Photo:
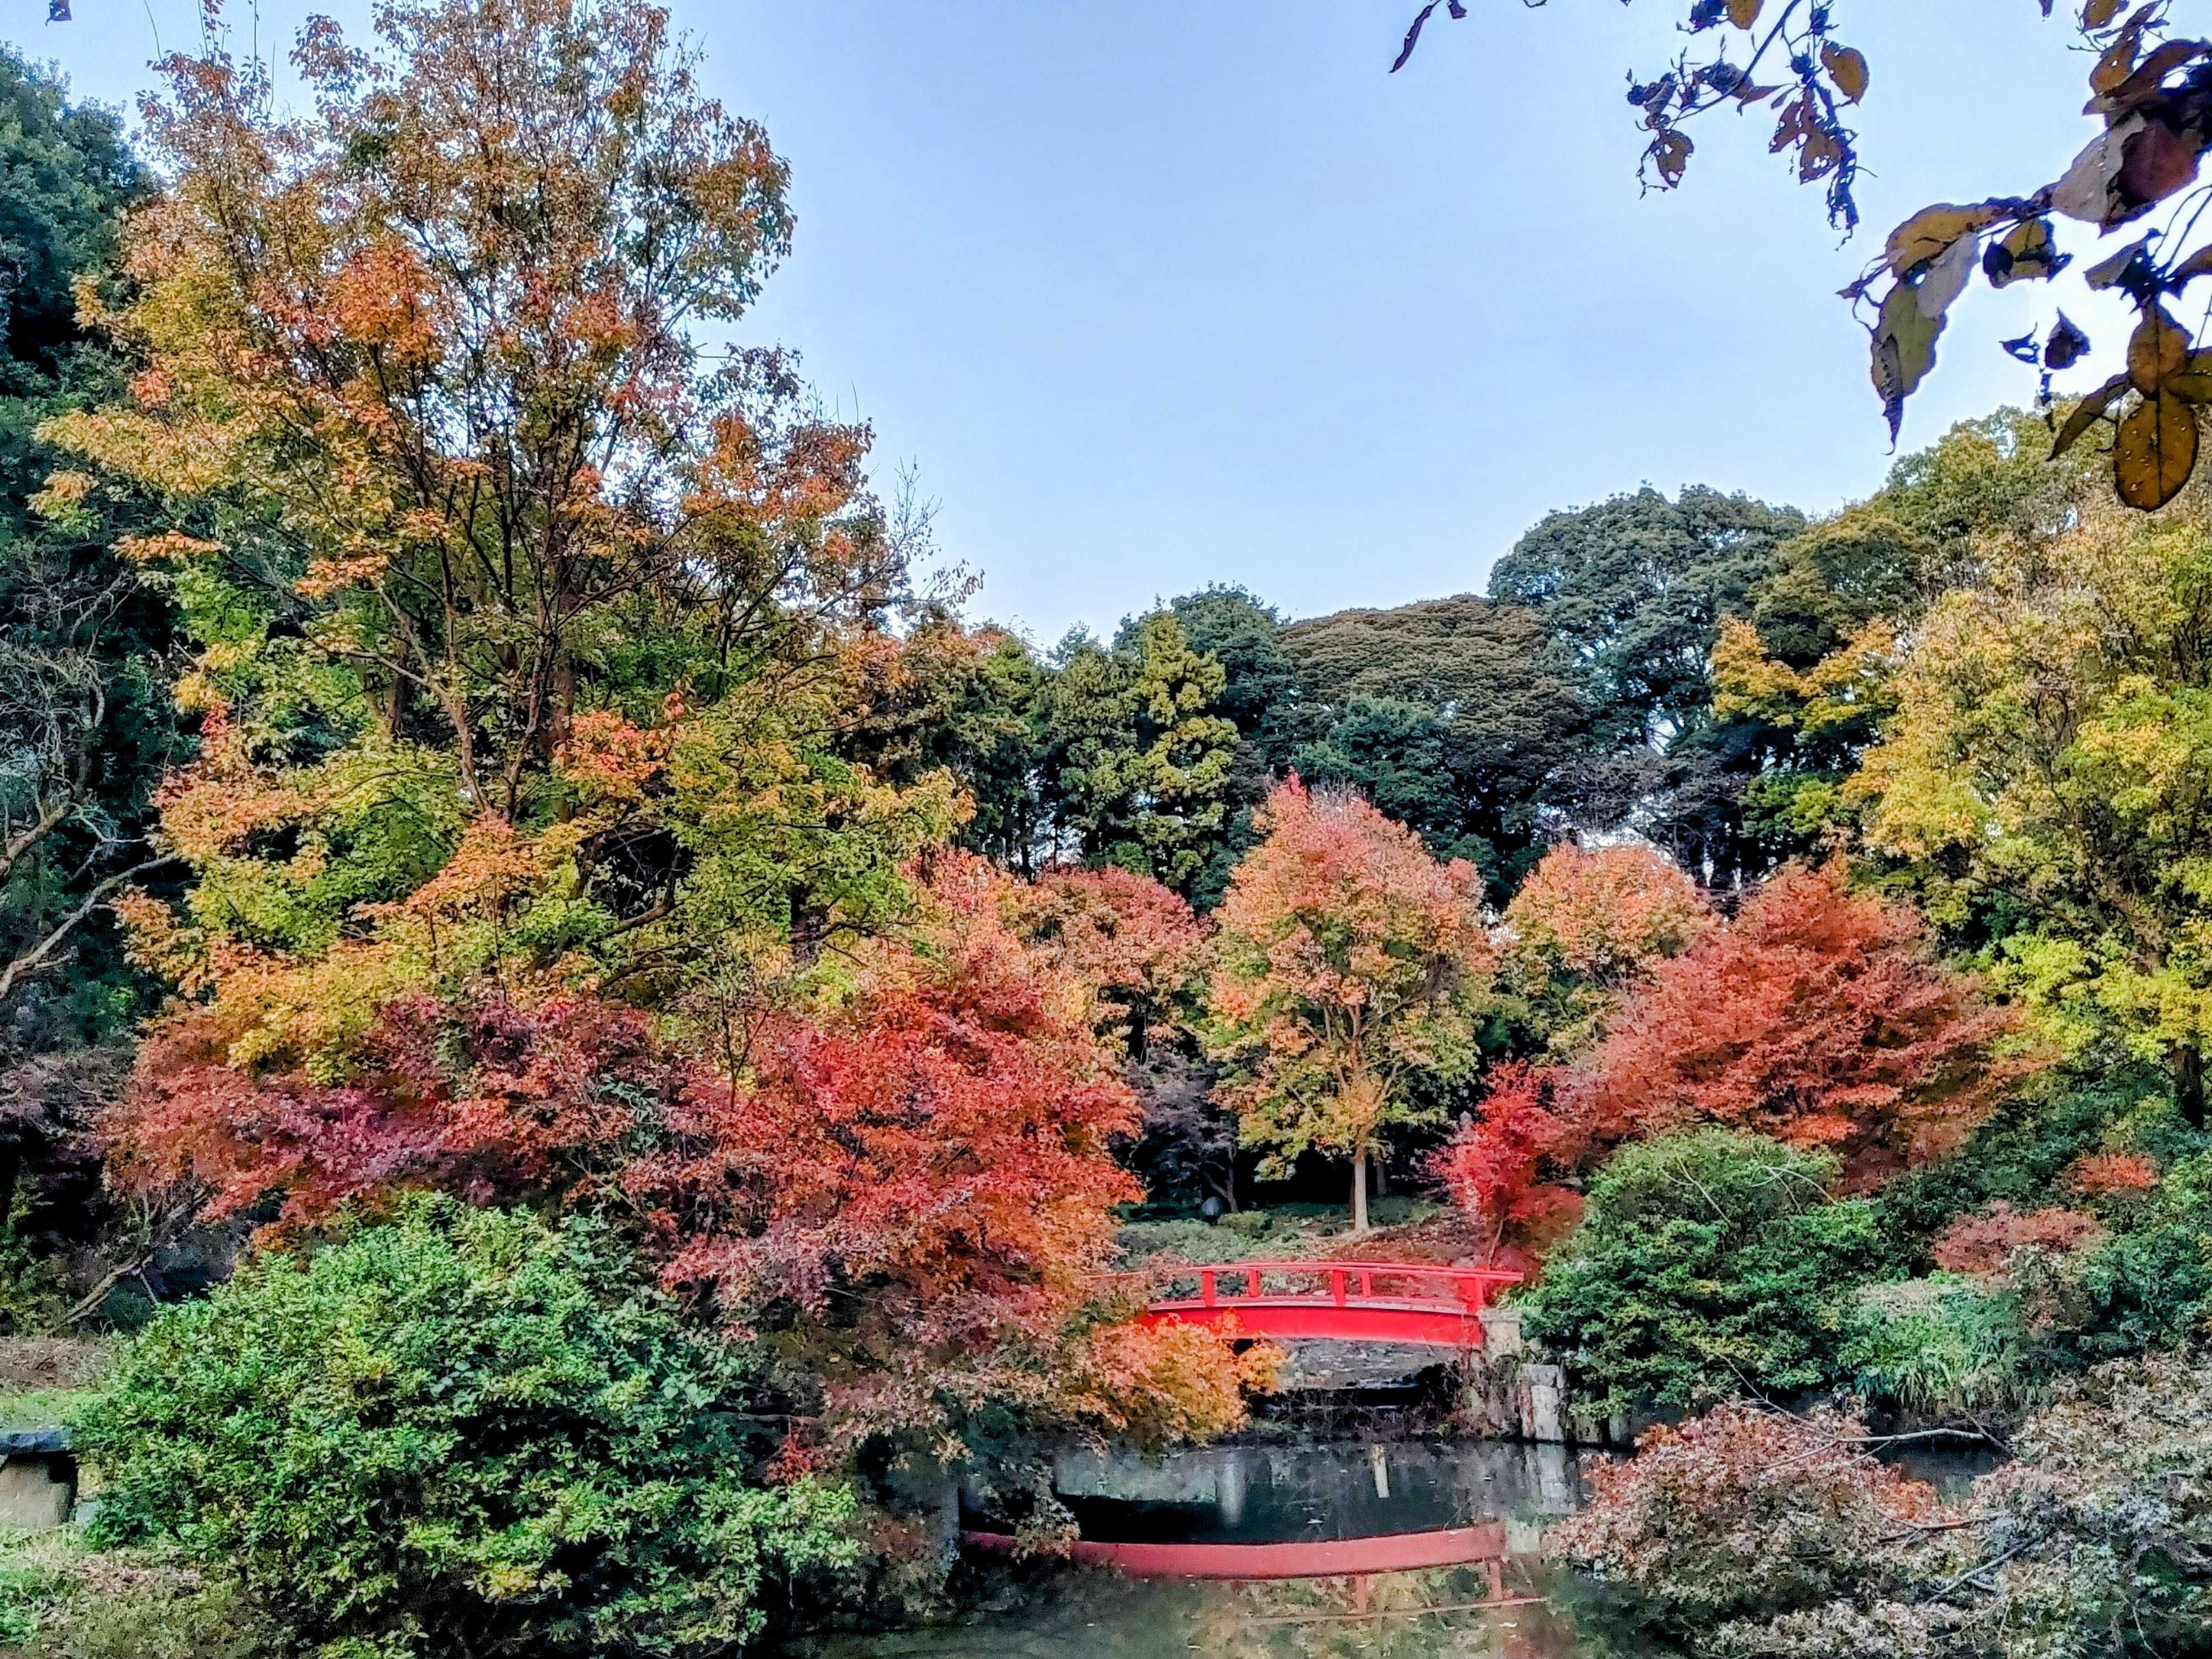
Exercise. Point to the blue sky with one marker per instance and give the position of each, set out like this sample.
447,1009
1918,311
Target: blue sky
1155,293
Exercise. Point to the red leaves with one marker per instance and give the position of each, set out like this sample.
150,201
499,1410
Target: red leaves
488,1098
1821,1018
1984,1243
1493,1167
943,1140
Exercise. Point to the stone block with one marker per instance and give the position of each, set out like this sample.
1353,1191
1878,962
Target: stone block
36,1491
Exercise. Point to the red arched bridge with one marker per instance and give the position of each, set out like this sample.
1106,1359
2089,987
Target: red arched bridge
1393,1302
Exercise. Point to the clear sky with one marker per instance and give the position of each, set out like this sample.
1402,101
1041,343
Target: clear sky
1155,293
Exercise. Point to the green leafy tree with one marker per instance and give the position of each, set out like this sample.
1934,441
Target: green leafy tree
1705,1264
1504,724
1260,691
2047,760
1138,755
83,703
1632,592
460,1432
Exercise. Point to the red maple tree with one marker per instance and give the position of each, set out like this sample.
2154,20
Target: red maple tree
1502,1168
1819,1016
1133,941
489,1096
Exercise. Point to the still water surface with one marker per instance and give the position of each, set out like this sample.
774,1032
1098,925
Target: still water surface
1504,1604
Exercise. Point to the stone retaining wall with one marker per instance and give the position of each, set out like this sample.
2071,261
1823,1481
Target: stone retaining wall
1512,1395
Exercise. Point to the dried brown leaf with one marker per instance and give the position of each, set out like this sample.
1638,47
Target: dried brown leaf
1929,232
2087,413
2158,348
2155,451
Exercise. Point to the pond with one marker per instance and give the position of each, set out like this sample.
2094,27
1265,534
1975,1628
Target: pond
1320,1515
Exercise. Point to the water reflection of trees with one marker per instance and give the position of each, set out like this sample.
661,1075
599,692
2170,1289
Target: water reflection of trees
1483,1610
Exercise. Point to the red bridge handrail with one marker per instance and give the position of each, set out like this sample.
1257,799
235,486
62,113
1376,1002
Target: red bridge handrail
1345,1284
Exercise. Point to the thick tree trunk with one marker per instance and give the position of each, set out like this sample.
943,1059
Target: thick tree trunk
2188,1084
1359,1193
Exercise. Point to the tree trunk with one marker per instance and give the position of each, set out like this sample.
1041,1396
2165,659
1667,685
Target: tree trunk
1359,1193
2188,1084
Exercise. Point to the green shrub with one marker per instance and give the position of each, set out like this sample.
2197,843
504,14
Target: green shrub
2020,1155
1940,1346
461,1432
2147,1286
1704,1265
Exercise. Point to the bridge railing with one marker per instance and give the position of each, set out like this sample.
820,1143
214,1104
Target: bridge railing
1178,1286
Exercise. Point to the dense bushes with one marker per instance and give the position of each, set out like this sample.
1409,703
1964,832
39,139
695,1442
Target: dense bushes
456,1433
1751,1533
1705,1264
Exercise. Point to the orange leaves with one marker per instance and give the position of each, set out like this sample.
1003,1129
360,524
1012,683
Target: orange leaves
1348,961
1606,913
1157,1385
608,758
1133,944
2103,1175
1985,1243
1819,1017
165,544
920,1176
383,296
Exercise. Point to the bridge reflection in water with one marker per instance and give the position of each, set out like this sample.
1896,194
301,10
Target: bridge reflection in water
1323,1535
1394,1550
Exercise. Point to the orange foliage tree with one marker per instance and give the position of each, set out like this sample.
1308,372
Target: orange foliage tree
1819,1016
419,370
1135,942
906,1183
1350,969
914,1184
1589,923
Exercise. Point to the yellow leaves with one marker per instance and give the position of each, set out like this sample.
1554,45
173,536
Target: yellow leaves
1847,68
1904,349
2155,451
2029,252
1744,13
1671,154
1928,233
1849,683
2099,14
